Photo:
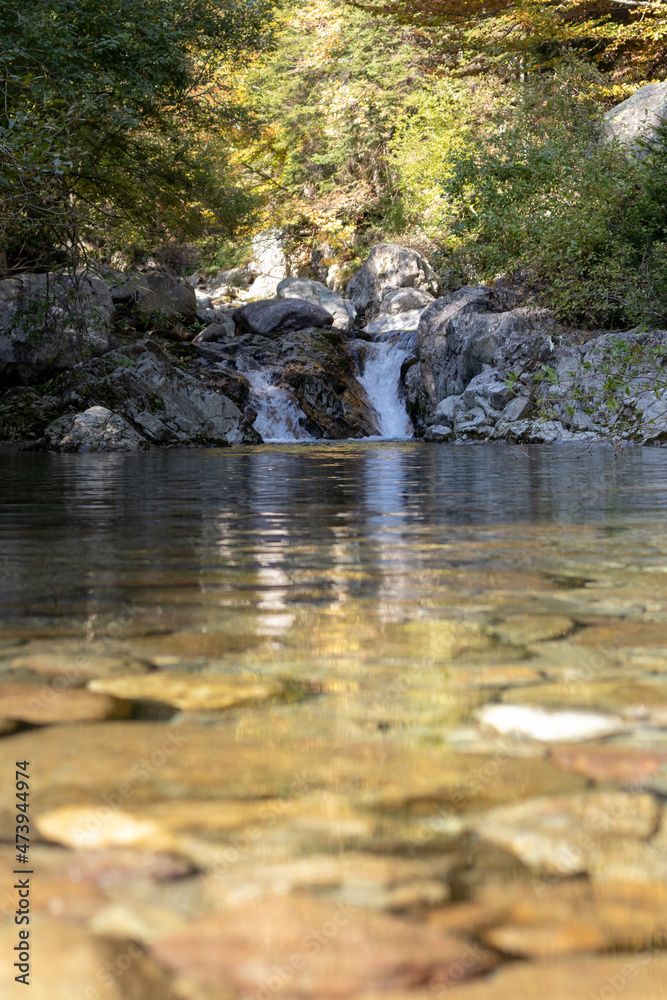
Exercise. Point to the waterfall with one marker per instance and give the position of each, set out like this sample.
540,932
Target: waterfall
279,418
381,379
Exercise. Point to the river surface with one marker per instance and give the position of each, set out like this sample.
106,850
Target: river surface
415,694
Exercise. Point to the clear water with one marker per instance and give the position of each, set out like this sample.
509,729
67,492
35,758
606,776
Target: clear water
396,590
81,534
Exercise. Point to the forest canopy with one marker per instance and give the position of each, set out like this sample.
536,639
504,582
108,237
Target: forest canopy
470,130
108,112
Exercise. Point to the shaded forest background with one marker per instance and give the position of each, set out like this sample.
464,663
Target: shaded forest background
471,131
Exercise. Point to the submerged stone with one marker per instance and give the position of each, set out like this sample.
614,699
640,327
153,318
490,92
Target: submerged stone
69,961
149,762
362,879
41,704
330,950
190,692
603,977
548,726
562,834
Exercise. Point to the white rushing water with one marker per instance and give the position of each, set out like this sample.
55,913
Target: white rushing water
381,380
279,418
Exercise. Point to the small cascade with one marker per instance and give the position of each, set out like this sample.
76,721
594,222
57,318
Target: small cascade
381,380
279,418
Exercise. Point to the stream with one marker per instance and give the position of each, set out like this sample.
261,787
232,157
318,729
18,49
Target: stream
409,699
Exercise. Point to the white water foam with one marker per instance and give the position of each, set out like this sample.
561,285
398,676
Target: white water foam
381,380
279,418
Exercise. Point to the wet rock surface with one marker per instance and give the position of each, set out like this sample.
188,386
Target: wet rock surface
162,403
314,367
96,429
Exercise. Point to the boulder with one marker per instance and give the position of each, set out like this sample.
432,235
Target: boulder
269,265
388,266
390,323
273,317
645,109
439,433
341,309
268,248
157,298
96,429
222,329
403,300
53,320
166,405
459,336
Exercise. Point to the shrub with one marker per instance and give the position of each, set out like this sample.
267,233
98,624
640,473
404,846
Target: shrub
521,182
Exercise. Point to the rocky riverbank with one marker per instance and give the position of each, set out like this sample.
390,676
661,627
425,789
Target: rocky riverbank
130,362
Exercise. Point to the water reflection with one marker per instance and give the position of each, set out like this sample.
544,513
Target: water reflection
79,535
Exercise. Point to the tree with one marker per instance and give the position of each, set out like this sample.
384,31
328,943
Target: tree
627,37
107,111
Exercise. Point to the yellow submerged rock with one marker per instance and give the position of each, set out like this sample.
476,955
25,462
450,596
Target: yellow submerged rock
190,692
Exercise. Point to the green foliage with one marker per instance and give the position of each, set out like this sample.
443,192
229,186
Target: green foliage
526,186
627,38
329,96
109,117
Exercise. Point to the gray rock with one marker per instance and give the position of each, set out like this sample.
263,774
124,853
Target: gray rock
458,336
438,433
388,323
216,314
263,287
388,266
543,432
446,409
268,248
273,317
341,309
194,279
96,429
223,329
167,406
159,297
653,411
645,109
204,301
269,266
403,300
473,421
488,386
55,320
517,409
582,371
